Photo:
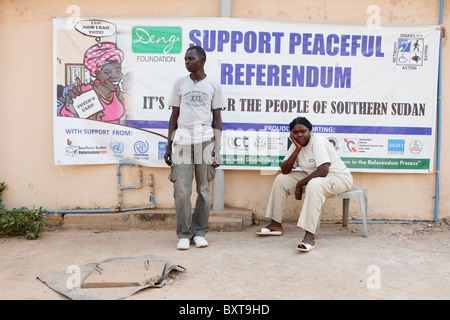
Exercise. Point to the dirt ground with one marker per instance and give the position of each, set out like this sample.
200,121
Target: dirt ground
396,261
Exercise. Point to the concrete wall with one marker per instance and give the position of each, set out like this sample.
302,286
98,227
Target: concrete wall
26,97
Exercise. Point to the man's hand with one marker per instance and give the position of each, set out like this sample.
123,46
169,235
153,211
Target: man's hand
172,127
298,191
217,158
168,156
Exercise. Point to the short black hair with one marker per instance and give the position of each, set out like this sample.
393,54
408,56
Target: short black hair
199,50
302,121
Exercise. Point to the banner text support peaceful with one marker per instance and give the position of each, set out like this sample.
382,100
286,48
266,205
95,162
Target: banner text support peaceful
298,43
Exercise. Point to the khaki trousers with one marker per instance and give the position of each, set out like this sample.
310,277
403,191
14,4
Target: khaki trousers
188,161
314,195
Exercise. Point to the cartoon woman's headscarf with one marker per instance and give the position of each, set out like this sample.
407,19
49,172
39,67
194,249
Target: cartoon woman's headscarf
101,54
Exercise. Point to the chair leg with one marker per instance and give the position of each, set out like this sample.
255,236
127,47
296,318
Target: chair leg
363,205
366,202
345,209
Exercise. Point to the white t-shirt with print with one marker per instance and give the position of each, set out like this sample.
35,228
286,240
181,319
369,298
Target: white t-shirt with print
196,101
317,152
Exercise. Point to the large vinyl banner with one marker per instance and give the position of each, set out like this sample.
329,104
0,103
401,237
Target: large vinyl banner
372,93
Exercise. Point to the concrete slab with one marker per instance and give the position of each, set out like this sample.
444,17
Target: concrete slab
226,220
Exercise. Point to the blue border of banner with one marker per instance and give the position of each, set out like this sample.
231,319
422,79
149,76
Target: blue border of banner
421,131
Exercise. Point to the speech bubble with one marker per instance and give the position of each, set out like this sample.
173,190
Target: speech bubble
96,28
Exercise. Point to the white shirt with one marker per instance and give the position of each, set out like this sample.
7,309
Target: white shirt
317,152
196,101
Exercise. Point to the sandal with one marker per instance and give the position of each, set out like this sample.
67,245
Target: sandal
307,247
268,232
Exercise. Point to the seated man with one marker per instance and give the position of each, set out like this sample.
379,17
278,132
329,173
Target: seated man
324,175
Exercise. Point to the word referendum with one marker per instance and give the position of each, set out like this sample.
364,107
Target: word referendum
285,75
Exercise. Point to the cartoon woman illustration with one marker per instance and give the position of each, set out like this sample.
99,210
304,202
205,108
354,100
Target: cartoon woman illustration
104,61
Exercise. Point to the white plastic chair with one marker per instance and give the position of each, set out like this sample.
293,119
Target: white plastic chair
361,194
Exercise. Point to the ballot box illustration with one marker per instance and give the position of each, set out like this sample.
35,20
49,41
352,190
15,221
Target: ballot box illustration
72,151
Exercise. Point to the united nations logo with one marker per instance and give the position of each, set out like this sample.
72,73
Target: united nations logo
117,146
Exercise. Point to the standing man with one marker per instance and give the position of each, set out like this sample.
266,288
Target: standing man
194,146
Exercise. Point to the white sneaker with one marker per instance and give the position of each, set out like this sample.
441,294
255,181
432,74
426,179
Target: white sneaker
183,244
200,242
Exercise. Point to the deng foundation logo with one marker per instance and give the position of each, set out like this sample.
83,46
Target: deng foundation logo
156,40
410,51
